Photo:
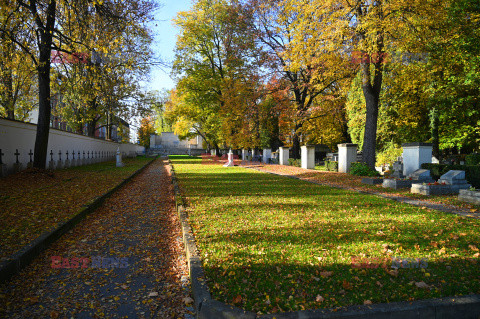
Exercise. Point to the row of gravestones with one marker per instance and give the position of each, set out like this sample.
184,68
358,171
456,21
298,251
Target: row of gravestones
421,182
70,160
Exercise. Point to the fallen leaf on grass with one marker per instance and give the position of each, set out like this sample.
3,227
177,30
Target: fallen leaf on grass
187,300
237,299
319,298
153,294
421,284
367,302
473,247
346,285
326,274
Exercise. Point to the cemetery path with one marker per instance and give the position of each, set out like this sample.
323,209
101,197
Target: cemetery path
126,259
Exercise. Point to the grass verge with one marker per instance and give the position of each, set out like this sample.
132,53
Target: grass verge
272,244
34,202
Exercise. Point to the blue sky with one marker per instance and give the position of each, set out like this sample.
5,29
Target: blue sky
165,36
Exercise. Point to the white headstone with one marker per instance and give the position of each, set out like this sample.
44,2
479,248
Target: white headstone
283,155
347,154
244,154
267,154
453,177
308,156
230,160
414,155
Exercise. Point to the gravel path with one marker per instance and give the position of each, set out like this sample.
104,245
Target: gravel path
125,260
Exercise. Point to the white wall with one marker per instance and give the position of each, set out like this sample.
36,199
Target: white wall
18,135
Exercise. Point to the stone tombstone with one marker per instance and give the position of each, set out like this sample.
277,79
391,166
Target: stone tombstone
230,160
17,166
397,169
283,153
267,155
51,163
456,180
347,154
414,155
119,158
3,167
66,164
60,161
421,175
308,156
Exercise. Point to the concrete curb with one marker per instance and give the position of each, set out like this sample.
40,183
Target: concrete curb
27,254
206,307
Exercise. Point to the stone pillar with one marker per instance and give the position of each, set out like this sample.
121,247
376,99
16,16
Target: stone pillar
283,155
347,154
308,156
267,154
414,155
244,154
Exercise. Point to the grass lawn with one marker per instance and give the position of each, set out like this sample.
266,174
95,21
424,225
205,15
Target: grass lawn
33,202
271,243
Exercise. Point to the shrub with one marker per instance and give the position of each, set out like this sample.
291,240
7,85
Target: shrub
331,166
362,169
472,172
294,162
472,159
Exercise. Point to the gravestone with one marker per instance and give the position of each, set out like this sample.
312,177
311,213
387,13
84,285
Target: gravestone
469,196
421,175
230,160
30,163
267,155
67,160
308,156
51,164
17,166
347,154
119,158
59,162
456,180
3,167
283,155
398,169
414,155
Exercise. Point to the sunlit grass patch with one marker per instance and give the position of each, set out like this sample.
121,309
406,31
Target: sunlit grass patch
271,243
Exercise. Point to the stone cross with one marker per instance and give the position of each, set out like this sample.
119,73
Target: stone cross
1,154
67,155
83,154
51,155
59,155
16,155
88,154
30,154
73,154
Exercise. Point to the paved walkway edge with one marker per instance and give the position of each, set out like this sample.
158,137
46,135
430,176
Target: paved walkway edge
27,254
206,307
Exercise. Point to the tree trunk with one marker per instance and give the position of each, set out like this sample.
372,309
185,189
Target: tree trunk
8,94
44,106
370,136
296,146
434,122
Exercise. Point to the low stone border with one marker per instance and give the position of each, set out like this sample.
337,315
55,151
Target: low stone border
206,307
27,254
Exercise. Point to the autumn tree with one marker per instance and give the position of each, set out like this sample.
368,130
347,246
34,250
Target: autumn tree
304,71
55,25
214,52
144,131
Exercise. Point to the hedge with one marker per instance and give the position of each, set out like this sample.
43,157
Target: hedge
294,162
472,172
331,166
